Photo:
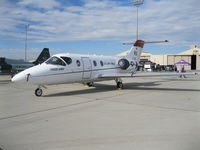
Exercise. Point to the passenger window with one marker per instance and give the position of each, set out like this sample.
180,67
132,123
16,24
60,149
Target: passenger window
78,63
55,61
68,60
101,62
94,63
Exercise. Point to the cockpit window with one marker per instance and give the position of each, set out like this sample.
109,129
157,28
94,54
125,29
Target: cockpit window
68,60
55,61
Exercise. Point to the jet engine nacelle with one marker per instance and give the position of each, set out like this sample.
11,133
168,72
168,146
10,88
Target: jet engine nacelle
123,63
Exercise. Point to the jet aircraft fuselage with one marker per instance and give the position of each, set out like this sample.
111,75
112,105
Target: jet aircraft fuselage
69,68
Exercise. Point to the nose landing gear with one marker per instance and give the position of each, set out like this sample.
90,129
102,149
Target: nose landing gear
38,92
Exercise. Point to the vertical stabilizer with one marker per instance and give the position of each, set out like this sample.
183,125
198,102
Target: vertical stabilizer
137,48
135,51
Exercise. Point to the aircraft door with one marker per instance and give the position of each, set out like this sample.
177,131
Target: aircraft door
87,67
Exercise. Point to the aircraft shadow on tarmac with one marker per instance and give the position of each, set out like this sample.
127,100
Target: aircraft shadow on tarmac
187,79
148,86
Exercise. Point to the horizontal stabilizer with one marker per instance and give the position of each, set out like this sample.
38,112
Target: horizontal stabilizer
140,43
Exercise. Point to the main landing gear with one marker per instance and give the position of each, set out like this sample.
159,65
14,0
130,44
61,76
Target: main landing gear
89,84
119,83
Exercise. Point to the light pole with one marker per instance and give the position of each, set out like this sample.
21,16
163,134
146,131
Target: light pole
137,3
26,27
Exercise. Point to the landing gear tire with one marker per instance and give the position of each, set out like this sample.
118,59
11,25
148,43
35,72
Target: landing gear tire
38,92
90,84
119,85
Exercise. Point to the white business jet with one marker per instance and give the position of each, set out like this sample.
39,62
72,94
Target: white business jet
72,68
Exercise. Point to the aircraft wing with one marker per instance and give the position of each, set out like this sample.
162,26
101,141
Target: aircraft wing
122,75
165,74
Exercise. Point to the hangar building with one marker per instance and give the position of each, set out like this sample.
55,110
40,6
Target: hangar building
192,56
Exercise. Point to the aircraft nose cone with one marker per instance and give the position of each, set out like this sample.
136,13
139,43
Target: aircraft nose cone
20,77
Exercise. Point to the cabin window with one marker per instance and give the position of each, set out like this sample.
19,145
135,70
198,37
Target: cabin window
94,63
68,60
101,62
55,61
78,63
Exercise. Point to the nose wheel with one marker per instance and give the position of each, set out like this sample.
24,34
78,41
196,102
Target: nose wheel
38,92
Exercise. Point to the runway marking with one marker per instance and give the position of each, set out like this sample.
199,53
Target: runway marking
45,110
146,105
60,107
154,106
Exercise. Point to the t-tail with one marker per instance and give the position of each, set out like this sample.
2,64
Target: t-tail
44,55
136,50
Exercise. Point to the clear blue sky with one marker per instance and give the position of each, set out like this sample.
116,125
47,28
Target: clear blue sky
96,26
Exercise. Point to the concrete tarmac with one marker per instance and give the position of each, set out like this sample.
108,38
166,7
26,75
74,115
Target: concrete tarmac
154,113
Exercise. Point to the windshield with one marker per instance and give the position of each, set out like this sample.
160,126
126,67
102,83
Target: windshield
68,60
55,61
